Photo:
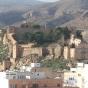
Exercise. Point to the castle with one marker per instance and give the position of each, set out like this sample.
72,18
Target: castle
17,50
75,49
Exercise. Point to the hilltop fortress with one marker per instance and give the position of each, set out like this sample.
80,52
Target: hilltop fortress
75,49
28,51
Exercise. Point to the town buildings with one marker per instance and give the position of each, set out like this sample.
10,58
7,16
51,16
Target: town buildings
77,77
28,79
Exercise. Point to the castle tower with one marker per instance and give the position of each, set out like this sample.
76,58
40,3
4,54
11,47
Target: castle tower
66,52
72,53
72,39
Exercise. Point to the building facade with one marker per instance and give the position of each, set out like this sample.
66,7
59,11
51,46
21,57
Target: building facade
77,77
28,79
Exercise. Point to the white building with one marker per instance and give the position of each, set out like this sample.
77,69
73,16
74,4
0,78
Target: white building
85,74
25,73
13,75
10,75
29,68
77,77
35,65
74,40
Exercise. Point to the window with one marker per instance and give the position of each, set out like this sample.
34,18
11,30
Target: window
10,85
58,85
35,86
37,74
23,86
13,86
79,74
14,77
45,85
23,77
70,78
18,77
29,86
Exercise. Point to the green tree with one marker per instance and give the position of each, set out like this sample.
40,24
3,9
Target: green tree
36,26
50,36
79,34
56,64
58,33
28,37
63,31
3,52
66,33
39,37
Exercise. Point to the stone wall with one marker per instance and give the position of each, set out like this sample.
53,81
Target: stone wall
82,51
66,52
12,44
69,53
22,50
55,51
27,49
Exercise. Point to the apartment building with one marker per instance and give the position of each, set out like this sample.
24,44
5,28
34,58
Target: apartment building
27,77
77,77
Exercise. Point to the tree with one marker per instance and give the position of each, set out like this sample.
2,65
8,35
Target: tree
79,34
58,33
3,52
56,64
66,33
28,37
63,31
36,26
50,36
39,37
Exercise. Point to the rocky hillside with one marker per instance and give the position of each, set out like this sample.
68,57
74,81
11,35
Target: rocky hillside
61,12
11,11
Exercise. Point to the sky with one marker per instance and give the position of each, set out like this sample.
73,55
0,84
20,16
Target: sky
5,1
49,0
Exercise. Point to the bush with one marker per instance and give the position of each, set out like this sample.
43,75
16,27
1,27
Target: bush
50,36
56,64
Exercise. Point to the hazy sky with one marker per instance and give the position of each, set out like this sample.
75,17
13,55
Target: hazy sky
49,0
5,1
